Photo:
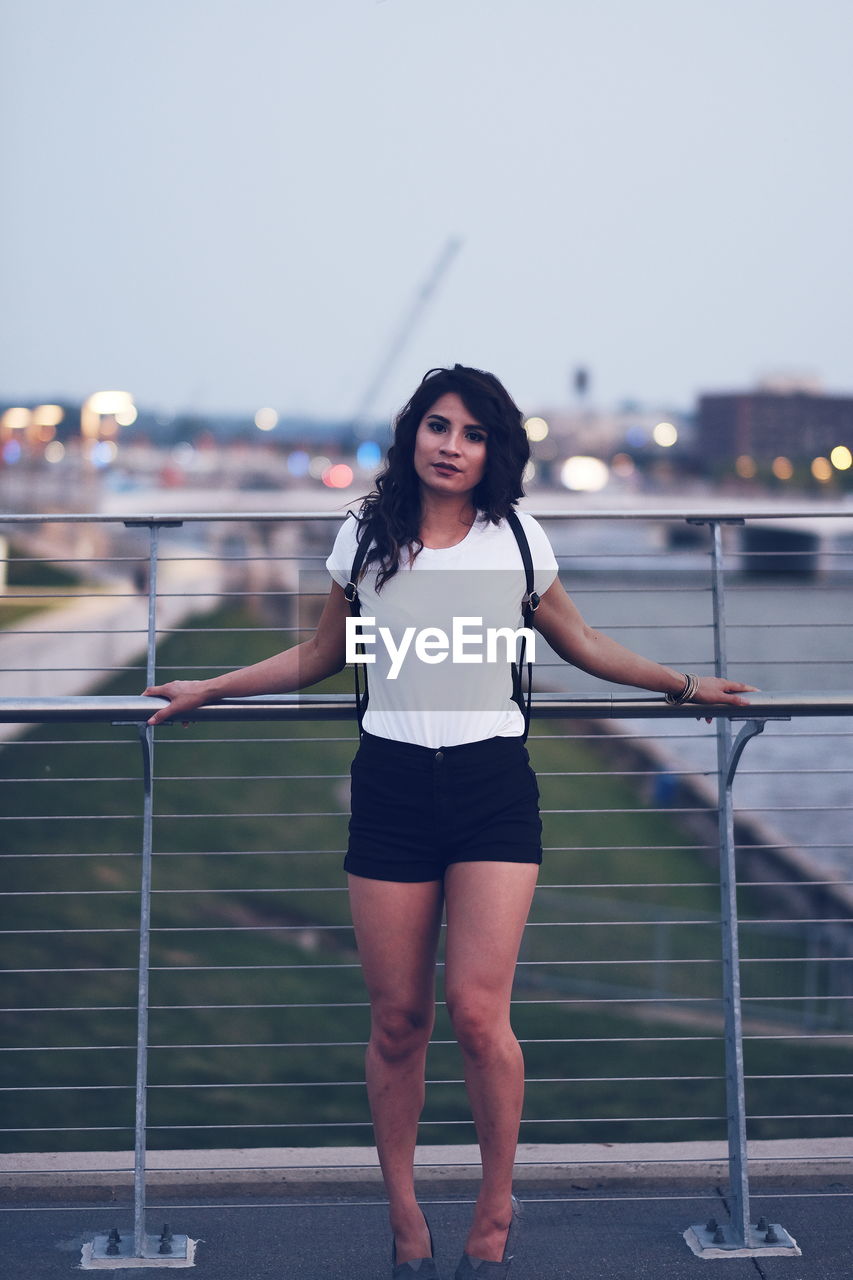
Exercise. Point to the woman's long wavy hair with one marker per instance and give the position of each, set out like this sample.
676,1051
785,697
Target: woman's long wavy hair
390,515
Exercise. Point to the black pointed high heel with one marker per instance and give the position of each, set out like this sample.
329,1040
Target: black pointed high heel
481,1268
422,1268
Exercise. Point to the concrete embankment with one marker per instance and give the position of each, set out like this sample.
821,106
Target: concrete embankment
71,646
339,1169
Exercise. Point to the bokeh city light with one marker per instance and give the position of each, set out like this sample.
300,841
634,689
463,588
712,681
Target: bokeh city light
537,429
665,435
584,474
266,419
339,476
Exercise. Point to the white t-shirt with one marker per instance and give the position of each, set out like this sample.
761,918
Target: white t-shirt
437,680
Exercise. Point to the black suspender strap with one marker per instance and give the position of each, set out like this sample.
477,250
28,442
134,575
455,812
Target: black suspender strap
352,597
529,605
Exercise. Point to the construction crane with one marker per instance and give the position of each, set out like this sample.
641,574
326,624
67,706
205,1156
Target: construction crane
404,332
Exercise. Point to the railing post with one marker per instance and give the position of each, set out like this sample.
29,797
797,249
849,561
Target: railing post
713,1239
166,1247
153,526
735,1091
146,741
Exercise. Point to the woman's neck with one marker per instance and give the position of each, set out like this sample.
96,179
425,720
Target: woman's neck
445,522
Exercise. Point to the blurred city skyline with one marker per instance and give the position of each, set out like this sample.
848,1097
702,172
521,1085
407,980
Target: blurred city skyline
221,206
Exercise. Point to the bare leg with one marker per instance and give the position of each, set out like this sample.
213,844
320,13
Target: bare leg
487,906
397,927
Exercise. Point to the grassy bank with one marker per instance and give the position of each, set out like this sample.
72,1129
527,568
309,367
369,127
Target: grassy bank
24,574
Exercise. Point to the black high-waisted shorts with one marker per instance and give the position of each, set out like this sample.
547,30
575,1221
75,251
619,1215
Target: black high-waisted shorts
416,810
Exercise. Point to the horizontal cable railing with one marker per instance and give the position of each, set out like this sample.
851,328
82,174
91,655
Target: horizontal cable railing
135,709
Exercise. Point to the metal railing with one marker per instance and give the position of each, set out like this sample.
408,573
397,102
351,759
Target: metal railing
667,971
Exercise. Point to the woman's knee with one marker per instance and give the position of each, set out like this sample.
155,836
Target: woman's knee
480,1025
397,1031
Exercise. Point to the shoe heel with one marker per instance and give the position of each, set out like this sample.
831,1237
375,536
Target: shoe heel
470,1268
421,1268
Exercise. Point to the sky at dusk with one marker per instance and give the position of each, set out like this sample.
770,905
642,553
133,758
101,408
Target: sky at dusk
223,204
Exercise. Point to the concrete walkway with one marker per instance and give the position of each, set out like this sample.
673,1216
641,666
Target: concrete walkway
582,1231
596,1212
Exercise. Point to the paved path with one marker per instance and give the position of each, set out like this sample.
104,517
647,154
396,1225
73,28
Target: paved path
629,1232
67,649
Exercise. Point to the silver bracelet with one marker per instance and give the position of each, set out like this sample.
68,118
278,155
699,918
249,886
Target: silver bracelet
691,684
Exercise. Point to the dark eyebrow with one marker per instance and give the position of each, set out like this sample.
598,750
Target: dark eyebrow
472,426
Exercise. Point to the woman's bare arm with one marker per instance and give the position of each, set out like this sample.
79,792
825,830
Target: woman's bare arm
305,664
560,622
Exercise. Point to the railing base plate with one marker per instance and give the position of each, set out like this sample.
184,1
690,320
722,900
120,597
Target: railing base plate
96,1257
721,1242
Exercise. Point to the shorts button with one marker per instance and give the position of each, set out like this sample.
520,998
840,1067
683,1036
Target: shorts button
439,756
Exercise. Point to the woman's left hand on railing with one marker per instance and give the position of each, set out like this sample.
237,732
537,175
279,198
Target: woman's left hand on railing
713,690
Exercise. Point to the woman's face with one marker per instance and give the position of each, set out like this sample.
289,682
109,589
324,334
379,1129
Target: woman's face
450,447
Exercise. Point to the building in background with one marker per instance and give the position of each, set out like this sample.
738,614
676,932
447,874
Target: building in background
780,428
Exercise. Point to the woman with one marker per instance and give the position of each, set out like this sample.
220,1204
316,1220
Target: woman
444,804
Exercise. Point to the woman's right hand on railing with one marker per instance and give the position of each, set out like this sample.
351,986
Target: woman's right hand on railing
184,696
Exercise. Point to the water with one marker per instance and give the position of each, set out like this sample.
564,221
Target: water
785,634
